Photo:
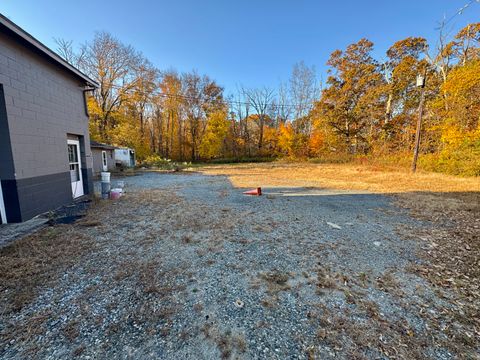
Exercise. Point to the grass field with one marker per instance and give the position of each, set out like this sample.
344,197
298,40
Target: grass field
341,176
421,192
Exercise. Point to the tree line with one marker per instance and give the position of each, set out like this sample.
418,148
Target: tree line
366,107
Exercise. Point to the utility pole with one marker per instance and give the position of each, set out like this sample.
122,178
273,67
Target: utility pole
421,80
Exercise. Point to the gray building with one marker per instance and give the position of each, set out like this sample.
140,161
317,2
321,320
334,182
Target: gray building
103,157
45,156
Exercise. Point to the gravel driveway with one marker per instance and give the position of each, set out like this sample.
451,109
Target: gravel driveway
186,267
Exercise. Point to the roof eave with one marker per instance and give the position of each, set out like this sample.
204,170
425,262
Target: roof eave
45,50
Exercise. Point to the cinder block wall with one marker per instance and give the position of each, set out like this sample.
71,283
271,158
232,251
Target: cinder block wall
44,103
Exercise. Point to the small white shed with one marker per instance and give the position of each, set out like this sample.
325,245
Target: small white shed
124,157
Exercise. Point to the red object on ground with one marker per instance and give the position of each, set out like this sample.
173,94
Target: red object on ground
114,195
255,192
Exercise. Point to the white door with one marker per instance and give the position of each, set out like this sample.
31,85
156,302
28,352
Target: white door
104,161
75,167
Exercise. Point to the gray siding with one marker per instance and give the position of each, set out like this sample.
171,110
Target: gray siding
44,102
97,160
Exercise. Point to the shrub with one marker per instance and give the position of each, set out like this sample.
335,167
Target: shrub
460,160
155,161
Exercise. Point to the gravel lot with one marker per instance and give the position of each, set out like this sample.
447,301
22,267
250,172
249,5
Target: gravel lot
186,267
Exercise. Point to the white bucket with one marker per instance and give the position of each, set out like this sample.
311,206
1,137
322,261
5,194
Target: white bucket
106,177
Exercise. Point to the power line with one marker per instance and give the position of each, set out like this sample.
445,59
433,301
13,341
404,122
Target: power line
235,102
459,12
271,105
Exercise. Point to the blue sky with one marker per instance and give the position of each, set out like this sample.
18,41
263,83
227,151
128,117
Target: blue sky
248,42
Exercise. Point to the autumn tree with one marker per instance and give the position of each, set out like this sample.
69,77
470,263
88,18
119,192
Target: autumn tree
463,88
112,65
367,106
240,109
202,96
303,94
406,60
66,51
214,140
346,102
260,100
466,43
169,121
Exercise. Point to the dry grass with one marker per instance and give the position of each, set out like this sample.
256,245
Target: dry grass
33,262
37,262
231,344
276,281
451,252
341,177
362,333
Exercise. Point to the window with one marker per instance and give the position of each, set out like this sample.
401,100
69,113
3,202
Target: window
74,164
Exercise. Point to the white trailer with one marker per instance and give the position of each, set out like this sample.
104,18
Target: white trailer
124,157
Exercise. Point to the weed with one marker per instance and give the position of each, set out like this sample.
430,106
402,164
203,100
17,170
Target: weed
349,298
276,281
186,239
371,309
325,280
363,278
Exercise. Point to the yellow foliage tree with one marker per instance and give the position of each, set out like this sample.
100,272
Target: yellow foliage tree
463,94
212,144
316,143
286,138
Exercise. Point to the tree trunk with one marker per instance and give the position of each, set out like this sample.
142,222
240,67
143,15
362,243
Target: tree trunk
172,132
260,136
388,110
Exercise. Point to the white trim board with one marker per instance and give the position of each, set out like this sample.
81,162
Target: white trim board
3,213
